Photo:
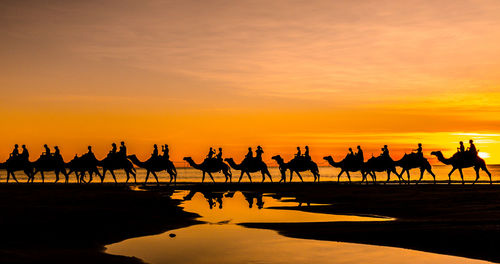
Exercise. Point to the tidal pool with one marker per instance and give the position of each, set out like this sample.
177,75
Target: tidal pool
221,240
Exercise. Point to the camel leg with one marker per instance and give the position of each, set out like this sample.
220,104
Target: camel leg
263,175
461,175
338,177
156,177
374,177
317,174
133,174
203,177
211,177
407,173
8,176
348,176
449,174
147,176
300,177
432,173
422,170
291,175
14,177
249,177
57,177
241,176
114,176
388,176
43,176
477,174
483,167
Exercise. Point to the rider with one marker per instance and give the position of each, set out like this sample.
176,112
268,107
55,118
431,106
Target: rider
112,152
123,150
47,151
249,154
259,152
419,150
461,148
15,152
306,153
57,153
385,151
359,154
155,151
90,154
472,148
211,153
166,151
299,153
219,155
25,155
351,153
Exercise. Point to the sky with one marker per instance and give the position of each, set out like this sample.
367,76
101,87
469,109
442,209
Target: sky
234,74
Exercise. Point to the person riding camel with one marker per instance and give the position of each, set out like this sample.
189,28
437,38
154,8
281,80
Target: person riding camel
385,152
419,150
359,154
249,154
15,152
211,153
57,153
112,152
472,148
219,155
461,148
306,153
259,152
299,153
350,154
47,151
123,150
25,155
90,154
155,151
166,151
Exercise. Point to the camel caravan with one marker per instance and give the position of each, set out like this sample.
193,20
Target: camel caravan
117,159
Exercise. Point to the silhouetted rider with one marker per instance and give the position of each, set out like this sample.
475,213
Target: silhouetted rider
211,153
359,154
259,152
166,151
306,153
90,154
472,148
155,151
57,153
350,154
419,150
123,150
461,148
385,151
15,151
112,152
299,153
47,151
249,154
25,155
219,155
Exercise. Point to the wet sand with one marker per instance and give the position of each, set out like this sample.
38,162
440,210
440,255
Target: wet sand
59,223
71,223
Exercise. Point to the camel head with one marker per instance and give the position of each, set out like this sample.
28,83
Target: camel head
328,158
437,153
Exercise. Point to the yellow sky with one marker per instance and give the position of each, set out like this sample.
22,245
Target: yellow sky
195,74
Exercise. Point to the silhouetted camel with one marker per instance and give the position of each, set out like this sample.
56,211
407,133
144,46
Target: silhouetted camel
156,164
50,163
296,165
463,160
347,165
84,164
412,161
15,164
116,162
379,164
250,165
211,165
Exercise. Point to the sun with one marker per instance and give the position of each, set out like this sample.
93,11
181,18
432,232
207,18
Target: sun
484,155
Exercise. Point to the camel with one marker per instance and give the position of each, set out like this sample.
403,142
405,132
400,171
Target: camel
296,165
250,165
15,164
84,164
463,160
156,164
116,162
211,165
348,164
380,164
412,161
50,163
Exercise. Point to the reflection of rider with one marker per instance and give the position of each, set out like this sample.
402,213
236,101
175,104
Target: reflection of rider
155,151
211,153
165,151
219,155
25,155
123,150
15,152
472,148
259,152
359,154
249,154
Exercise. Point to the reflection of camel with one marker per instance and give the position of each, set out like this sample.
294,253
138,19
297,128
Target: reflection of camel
16,164
463,160
209,166
115,162
155,164
250,165
50,163
379,164
347,165
296,165
82,165
412,161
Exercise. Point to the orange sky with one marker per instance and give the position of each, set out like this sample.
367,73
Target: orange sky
195,74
